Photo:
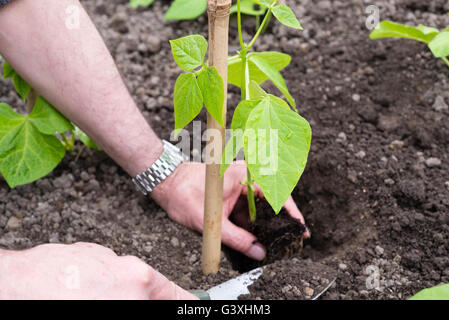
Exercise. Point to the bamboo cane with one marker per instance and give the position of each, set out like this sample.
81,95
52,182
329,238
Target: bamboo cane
218,12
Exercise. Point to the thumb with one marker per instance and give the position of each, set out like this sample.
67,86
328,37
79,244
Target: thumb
160,288
241,240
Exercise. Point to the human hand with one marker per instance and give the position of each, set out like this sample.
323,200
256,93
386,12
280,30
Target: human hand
182,197
81,271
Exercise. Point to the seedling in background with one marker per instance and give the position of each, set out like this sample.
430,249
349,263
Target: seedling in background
191,9
436,40
32,145
257,112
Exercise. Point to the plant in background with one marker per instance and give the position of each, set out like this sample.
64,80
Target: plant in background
436,40
191,9
32,145
440,292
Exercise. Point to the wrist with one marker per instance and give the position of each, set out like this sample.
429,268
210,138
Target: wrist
165,190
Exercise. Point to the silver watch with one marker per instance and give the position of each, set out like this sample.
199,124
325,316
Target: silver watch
169,160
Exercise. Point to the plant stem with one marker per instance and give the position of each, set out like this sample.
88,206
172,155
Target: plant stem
31,100
245,96
445,60
239,25
265,21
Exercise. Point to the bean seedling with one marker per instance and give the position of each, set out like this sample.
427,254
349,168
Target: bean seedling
264,125
191,9
436,40
32,145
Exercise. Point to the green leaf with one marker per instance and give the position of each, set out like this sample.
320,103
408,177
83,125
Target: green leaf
255,91
428,30
185,9
286,16
274,75
235,142
22,87
212,89
389,29
235,66
440,44
189,51
26,154
88,142
287,154
47,119
137,3
265,3
188,100
248,7
436,293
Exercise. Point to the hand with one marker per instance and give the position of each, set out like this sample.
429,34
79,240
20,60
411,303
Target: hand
81,271
182,197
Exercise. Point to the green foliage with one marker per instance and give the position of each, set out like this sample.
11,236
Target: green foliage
273,122
262,66
191,9
212,86
193,89
29,144
440,44
249,7
28,148
137,3
436,293
85,139
437,41
189,52
22,87
186,9
276,139
286,16
188,100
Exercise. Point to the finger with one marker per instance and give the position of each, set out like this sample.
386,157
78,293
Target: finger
294,212
241,240
160,288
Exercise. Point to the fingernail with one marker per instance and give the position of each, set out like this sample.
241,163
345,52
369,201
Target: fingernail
307,234
256,252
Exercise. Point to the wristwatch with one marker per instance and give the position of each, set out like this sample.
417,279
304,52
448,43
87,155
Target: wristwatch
169,160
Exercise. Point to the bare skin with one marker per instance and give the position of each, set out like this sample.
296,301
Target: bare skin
72,68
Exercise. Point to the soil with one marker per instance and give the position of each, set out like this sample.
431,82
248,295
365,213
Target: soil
375,193
281,235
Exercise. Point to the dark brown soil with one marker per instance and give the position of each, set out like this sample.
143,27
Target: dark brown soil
281,235
373,194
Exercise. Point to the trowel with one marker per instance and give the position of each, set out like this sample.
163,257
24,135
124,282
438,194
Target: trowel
232,289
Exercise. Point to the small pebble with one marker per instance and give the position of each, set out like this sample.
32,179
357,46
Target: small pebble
356,97
360,154
13,223
440,104
342,266
433,162
308,291
379,250
175,242
342,137
396,144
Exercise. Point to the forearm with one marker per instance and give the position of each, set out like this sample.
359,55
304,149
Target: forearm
73,69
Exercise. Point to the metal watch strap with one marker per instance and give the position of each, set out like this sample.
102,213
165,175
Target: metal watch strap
169,160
